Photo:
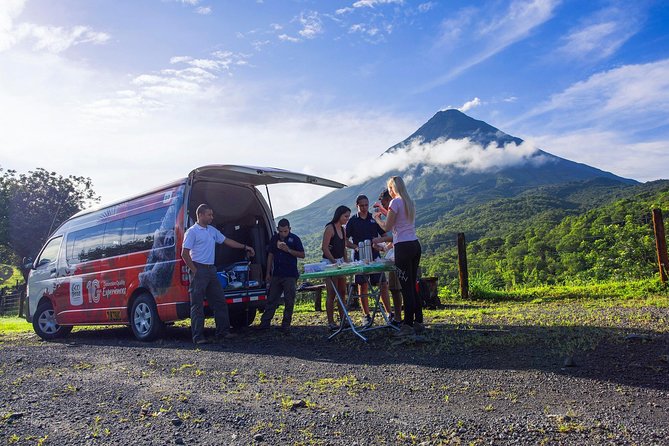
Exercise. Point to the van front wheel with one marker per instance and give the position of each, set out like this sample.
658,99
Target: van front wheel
144,320
45,325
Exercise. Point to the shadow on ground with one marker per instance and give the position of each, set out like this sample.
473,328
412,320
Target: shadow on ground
603,354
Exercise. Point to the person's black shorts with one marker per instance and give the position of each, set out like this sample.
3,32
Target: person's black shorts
374,279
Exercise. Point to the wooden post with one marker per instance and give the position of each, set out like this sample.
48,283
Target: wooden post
318,295
21,301
462,266
660,244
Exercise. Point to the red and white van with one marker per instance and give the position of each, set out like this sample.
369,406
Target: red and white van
121,263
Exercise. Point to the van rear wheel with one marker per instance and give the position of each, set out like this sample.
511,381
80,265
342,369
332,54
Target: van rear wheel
45,325
242,318
144,320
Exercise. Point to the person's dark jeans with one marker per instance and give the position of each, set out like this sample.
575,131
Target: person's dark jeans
205,283
278,286
407,259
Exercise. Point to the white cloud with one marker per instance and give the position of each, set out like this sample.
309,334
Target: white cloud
492,35
372,32
444,156
9,11
612,151
598,121
131,134
469,105
203,10
612,97
373,3
425,7
311,23
54,39
287,38
601,35
342,11
169,88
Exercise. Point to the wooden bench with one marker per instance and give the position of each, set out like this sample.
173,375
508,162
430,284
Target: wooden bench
316,294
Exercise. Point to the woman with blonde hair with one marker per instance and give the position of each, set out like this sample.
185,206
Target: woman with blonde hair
401,220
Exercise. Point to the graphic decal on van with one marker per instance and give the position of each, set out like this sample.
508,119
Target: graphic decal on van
76,292
93,288
157,274
113,288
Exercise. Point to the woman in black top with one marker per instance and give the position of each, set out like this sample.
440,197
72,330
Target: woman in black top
334,249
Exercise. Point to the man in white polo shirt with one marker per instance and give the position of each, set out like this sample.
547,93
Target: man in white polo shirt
198,253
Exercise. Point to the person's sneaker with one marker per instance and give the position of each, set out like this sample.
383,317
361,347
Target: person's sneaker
262,327
405,331
418,327
367,321
201,341
333,327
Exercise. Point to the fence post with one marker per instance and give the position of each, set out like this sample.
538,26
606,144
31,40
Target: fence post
22,297
660,244
462,266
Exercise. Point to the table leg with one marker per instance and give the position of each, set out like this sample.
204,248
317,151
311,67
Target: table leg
375,294
346,319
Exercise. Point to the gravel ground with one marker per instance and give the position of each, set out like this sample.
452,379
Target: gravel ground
475,386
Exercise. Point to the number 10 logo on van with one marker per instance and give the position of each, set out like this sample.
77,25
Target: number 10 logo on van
94,291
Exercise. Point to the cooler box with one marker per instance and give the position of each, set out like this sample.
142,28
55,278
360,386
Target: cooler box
223,279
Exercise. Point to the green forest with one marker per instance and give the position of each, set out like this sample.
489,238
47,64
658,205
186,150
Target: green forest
545,238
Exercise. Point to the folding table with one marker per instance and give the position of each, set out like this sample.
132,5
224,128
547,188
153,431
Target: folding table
350,269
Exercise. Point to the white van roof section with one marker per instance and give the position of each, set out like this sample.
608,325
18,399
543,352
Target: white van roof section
257,176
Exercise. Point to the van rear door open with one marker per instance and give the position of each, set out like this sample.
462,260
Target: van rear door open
257,176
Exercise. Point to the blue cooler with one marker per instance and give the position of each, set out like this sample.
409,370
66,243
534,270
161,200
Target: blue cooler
223,279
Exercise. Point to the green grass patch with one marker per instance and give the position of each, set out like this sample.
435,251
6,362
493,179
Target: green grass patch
14,324
482,290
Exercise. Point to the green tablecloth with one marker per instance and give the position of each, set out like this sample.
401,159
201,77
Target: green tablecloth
348,270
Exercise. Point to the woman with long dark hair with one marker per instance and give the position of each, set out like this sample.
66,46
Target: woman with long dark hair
401,220
334,251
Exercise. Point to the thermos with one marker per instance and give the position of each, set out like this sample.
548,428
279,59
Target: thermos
361,251
368,251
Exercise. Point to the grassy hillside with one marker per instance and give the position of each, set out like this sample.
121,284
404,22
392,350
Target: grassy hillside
552,236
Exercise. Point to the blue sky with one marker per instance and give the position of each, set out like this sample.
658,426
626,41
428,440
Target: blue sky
135,93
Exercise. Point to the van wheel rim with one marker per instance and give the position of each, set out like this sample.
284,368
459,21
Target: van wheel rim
47,322
142,318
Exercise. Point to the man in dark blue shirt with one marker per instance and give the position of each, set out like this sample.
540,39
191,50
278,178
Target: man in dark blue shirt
284,250
359,228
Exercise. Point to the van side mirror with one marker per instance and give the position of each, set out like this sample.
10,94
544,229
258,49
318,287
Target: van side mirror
27,263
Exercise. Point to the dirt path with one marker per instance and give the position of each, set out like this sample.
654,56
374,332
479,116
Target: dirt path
483,386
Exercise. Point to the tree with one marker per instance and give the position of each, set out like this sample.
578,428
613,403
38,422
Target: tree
33,205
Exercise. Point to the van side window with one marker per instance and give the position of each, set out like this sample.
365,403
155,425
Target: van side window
85,245
124,236
139,231
49,253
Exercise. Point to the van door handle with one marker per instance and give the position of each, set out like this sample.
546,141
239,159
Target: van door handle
53,271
